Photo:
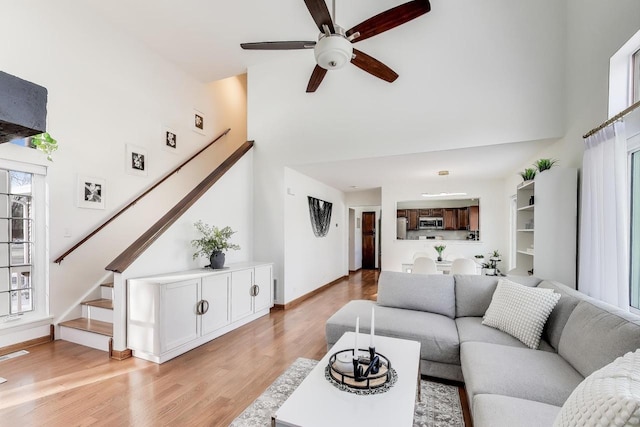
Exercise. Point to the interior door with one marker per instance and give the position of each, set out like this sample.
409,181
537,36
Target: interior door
368,240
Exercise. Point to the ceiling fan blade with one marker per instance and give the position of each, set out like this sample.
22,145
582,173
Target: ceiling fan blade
373,66
320,14
287,45
390,19
316,78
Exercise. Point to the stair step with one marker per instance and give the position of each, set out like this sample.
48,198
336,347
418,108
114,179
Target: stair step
101,303
90,325
107,285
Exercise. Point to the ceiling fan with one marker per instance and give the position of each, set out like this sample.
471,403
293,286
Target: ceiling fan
334,46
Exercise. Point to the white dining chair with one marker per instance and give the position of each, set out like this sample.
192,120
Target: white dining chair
452,257
424,265
463,266
420,255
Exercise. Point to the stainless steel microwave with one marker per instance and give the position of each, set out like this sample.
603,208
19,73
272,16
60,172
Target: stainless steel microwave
430,223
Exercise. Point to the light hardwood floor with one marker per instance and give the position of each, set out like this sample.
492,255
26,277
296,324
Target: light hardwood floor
64,384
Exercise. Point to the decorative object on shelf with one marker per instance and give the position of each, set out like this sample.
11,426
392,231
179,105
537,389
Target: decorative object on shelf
439,249
320,215
479,256
488,270
136,160
371,374
91,192
491,268
45,143
531,200
213,244
544,164
528,174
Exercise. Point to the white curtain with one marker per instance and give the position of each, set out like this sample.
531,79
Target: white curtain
604,221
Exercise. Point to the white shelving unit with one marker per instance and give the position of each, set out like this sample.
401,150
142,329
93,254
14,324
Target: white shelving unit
546,225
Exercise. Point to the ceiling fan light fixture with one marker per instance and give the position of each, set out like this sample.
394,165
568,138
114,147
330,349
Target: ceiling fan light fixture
333,52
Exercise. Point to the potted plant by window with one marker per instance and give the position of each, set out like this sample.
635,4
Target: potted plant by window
213,243
439,249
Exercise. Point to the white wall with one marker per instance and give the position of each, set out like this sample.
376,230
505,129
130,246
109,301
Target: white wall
493,214
310,261
107,90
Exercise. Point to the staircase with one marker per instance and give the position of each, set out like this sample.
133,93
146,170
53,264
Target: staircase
95,327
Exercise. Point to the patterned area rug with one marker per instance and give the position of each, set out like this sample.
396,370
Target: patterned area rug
440,406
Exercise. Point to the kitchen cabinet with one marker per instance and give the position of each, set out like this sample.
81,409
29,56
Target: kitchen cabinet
172,313
474,218
412,223
401,213
437,212
425,212
450,219
463,218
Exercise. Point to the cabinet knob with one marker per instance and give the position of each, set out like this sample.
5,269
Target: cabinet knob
199,307
205,306
257,291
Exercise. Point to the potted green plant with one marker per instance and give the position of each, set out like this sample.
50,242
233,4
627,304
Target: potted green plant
528,174
544,164
45,143
488,269
439,249
213,243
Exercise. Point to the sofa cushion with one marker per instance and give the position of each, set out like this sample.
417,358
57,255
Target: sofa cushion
436,333
569,299
596,334
517,372
520,311
494,410
472,329
474,292
432,293
608,397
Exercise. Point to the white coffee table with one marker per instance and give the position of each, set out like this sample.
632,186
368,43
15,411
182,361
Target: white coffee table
317,402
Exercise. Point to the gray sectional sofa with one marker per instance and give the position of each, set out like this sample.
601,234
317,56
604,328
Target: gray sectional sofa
507,383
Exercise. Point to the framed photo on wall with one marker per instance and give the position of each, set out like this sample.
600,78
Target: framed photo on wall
91,192
169,139
197,121
136,160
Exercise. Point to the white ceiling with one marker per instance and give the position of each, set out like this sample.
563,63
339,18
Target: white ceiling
202,37
488,162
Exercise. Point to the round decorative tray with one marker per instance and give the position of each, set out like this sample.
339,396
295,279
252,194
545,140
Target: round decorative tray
340,371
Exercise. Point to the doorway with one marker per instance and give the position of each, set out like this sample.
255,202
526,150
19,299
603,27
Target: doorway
368,240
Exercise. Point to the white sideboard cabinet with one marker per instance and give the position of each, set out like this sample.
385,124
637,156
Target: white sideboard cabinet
170,314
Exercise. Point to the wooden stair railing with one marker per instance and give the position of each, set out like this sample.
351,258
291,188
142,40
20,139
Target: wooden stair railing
137,199
129,255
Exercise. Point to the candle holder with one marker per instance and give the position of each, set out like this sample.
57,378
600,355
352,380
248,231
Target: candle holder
369,372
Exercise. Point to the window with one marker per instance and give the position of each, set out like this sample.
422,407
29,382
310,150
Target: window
23,243
635,77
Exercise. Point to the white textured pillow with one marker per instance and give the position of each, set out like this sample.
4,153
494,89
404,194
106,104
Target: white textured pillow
521,311
608,397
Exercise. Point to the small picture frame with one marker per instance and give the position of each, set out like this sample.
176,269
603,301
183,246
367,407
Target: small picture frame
136,160
169,139
91,192
197,121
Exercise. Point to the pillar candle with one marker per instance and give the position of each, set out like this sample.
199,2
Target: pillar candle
373,327
355,345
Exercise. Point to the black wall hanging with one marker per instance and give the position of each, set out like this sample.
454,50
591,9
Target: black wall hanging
320,215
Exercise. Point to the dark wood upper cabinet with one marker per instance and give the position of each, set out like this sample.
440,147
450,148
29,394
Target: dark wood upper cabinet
425,212
412,224
474,218
437,212
402,213
450,219
463,218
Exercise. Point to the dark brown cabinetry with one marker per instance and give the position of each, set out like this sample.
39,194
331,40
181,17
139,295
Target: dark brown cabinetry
463,218
413,215
402,213
474,218
450,219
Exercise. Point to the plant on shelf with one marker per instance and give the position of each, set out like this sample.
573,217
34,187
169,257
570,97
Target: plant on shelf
439,249
489,270
528,174
213,243
45,143
495,256
544,164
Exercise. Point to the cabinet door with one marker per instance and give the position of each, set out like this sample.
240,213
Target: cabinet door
463,218
264,284
215,291
178,303
413,219
241,299
474,218
425,212
401,213
437,212
450,219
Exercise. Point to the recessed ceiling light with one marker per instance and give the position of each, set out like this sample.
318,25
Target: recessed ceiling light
354,186
443,173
